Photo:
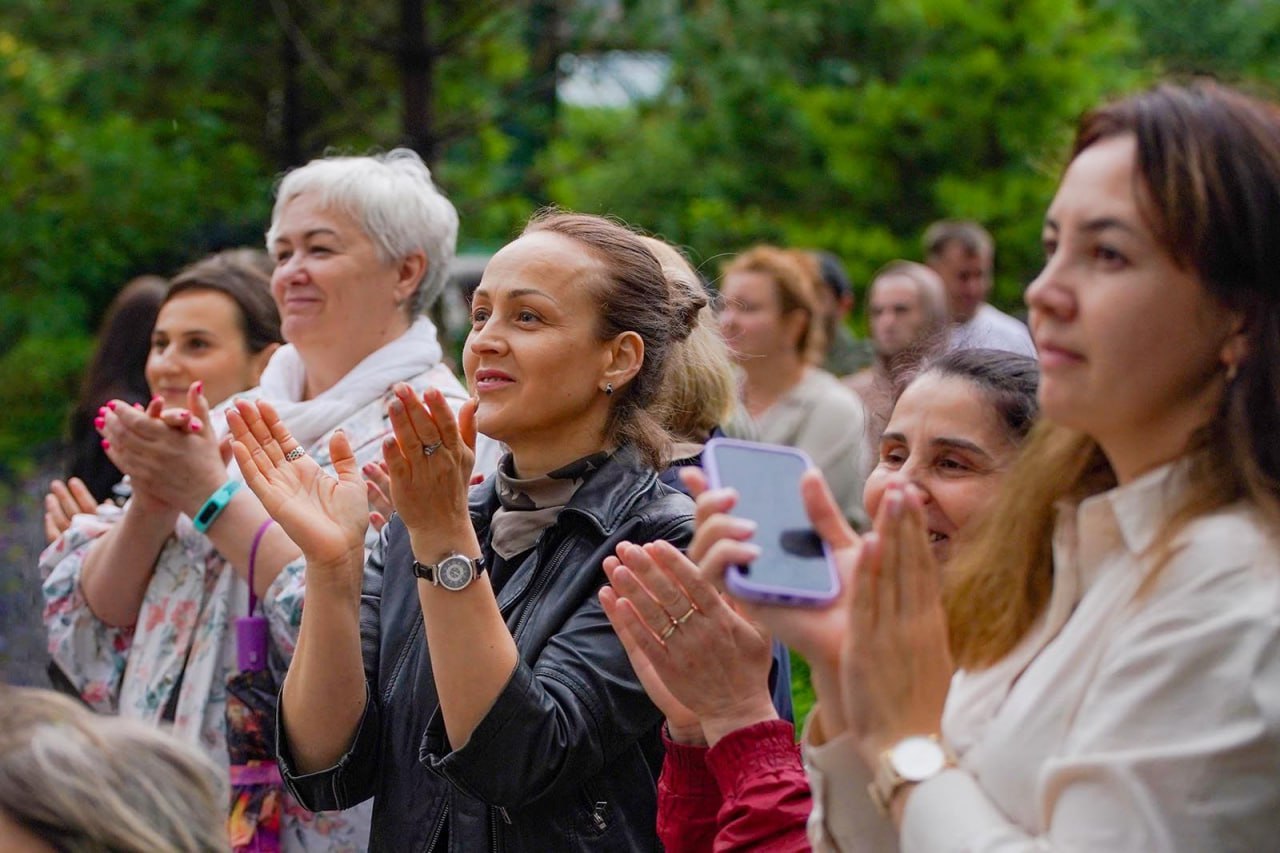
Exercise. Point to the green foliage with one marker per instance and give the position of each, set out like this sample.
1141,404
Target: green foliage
851,126
37,379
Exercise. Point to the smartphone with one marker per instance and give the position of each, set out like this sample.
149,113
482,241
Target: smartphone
795,566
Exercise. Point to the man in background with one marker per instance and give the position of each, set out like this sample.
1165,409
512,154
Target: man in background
963,254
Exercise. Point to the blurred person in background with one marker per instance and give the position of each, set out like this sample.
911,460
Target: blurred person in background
771,320
115,372
907,313
73,780
845,353
963,254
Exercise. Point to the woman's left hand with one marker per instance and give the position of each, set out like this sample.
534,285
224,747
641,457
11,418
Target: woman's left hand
896,664
430,458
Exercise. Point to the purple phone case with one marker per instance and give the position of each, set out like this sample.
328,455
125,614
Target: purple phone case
742,585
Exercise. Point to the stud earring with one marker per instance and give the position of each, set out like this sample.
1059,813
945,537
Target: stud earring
608,390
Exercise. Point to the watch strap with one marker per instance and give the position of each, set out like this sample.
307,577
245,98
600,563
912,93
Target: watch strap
430,572
888,781
214,505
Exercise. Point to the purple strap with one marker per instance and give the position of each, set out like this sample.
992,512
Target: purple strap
253,559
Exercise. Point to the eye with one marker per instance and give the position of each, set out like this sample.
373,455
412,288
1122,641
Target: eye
478,316
527,316
954,465
893,456
1050,246
282,256
198,344
321,250
1109,256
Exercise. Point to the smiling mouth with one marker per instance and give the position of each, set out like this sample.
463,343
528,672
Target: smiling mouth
934,536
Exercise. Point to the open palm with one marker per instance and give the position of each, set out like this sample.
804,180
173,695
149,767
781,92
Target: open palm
325,516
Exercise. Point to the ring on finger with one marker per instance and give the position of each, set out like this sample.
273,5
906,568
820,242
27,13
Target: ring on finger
680,620
669,630
295,454
428,449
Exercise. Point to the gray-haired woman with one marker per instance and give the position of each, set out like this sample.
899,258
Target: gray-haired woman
140,611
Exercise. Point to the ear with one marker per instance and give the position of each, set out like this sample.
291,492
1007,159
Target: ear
410,272
623,360
1235,349
258,363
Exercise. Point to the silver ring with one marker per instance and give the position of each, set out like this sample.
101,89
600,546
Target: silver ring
428,449
295,454
685,618
669,630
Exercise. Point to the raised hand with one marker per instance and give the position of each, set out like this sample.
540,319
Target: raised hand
896,666
377,481
816,633
63,501
708,662
325,516
429,458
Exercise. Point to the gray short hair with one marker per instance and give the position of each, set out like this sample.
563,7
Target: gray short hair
393,199
82,782
971,236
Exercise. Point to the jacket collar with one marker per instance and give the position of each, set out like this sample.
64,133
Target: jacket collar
603,500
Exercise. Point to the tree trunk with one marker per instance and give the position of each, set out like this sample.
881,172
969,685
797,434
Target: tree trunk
417,65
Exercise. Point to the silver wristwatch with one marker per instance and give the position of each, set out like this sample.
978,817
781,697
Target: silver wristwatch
454,572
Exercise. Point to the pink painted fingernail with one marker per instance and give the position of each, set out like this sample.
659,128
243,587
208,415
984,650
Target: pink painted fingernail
112,405
157,398
106,445
200,387
99,421
138,406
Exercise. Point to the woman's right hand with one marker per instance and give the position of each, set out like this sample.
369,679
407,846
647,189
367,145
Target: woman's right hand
712,665
325,516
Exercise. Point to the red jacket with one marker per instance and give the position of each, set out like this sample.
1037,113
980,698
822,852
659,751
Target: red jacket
748,792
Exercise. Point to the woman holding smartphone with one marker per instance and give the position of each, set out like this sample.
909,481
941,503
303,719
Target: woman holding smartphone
468,679
732,777
1116,623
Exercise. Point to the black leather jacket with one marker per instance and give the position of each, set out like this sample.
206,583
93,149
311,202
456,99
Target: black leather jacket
567,757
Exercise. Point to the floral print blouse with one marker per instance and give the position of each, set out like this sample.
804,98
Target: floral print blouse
184,635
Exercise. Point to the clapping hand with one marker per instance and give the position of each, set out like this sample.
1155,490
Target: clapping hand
325,516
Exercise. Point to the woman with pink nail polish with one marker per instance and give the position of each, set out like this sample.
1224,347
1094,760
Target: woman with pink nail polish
141,616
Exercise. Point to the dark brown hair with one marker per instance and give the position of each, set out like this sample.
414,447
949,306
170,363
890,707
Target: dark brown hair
1007,380
634,297
1208,183
244,275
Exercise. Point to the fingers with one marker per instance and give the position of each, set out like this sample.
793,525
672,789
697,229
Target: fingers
51,529
661,585
701,592
411,421
197,402
824,513
264,423
694,480
253,460
627,625
80,494
715,528
181,419
722,555
377,521
863,603
155,407
342,457
921,586
712,502
446,424
887,525
467,422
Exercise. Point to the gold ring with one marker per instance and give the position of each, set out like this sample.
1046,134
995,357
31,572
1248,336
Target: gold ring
669,630
693,608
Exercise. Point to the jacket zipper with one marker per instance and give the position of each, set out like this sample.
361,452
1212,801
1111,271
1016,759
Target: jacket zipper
435,834
540,581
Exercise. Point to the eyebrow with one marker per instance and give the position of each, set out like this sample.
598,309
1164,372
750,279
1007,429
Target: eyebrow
1095,225
942,441
517,292
309,234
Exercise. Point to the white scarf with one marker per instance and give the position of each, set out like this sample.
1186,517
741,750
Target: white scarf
284,379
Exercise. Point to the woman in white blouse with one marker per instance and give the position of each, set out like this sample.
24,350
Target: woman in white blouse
1116,626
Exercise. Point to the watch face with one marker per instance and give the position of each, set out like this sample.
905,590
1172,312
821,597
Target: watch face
918,758
455,572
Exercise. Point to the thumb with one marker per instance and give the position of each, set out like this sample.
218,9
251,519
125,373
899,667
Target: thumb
344,461
467,422
197,402
824,512
224,449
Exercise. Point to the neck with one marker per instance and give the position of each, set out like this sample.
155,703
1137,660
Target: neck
328,361
536,454
1135,452
768,379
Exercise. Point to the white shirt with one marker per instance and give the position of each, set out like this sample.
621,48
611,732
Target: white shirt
1129,719
991,328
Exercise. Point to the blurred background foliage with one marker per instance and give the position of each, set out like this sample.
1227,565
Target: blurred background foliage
137,135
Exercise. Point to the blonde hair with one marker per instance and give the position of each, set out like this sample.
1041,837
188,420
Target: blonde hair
700,391
796,278
82,782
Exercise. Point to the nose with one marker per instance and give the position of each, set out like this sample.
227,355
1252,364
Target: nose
914,473
486,339
1051,293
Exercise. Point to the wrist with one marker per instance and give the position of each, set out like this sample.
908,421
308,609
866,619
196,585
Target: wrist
720,722
686,733
430,547
201,491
